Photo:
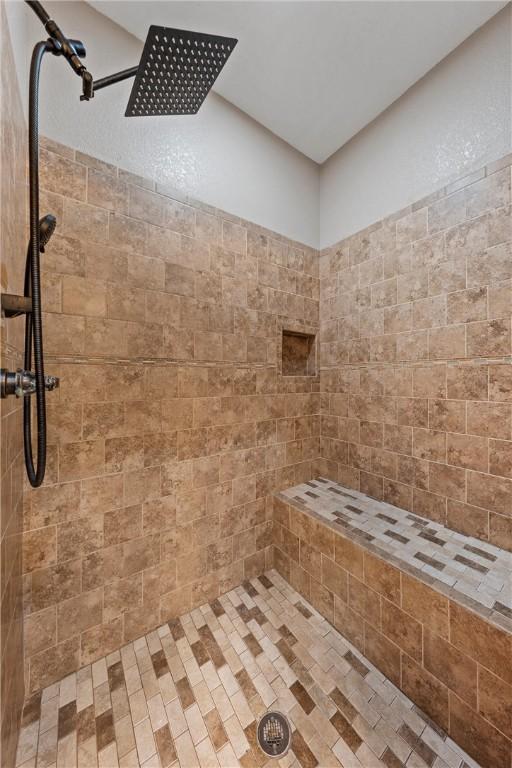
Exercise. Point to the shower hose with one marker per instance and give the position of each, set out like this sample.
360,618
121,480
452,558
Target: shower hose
33,322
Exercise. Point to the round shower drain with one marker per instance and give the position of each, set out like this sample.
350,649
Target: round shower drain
274,734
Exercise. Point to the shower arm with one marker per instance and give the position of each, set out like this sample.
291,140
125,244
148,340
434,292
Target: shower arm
72,50
59,45
103,82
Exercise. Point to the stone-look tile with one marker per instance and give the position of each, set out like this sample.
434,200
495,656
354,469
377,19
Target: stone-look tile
468,519
489,492
487,744
468,451
448,212
457,671
500,530
165,746
467,306
447,480
13,234
48,665
81,220
447,415
82,296
383,653
480,640
404,631
58,172
51,585
350,557
79,613
39,548
495,701
105,190
489,338
382,577
159,477
153,245
489,419
453,324
420,638
401,538
216,729
452,304
356,715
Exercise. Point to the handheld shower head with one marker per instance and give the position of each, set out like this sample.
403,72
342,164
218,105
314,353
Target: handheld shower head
177,69
46,229
175,74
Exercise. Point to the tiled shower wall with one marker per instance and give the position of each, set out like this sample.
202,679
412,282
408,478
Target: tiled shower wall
173,423
416,357
453,663
13,230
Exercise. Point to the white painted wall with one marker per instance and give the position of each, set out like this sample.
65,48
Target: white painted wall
457,118
454,120
221,156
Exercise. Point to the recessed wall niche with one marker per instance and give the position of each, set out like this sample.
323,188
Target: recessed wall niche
298,354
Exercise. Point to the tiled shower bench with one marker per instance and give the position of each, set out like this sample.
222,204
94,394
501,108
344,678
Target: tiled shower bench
431,608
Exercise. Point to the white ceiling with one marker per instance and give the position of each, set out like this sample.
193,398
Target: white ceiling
315,73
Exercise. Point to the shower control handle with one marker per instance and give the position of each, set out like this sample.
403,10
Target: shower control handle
22,382
51,383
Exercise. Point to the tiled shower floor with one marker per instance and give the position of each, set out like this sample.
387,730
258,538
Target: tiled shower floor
461,565
191,693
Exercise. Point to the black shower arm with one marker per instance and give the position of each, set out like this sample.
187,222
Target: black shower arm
72,50
103,82
62,46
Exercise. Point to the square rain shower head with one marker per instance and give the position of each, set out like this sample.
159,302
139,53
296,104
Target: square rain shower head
176,71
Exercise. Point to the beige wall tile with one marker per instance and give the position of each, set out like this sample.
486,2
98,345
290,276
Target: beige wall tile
58,172
105,190
79,613
196,448
450,259
39,548
81,460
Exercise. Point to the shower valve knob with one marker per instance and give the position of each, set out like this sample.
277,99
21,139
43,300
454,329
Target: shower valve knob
51,382
22,382
17,383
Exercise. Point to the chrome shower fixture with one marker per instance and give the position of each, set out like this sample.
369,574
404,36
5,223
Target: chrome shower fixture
21,382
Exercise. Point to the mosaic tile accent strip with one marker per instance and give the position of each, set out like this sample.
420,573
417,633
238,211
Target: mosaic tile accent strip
191,694
465,565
